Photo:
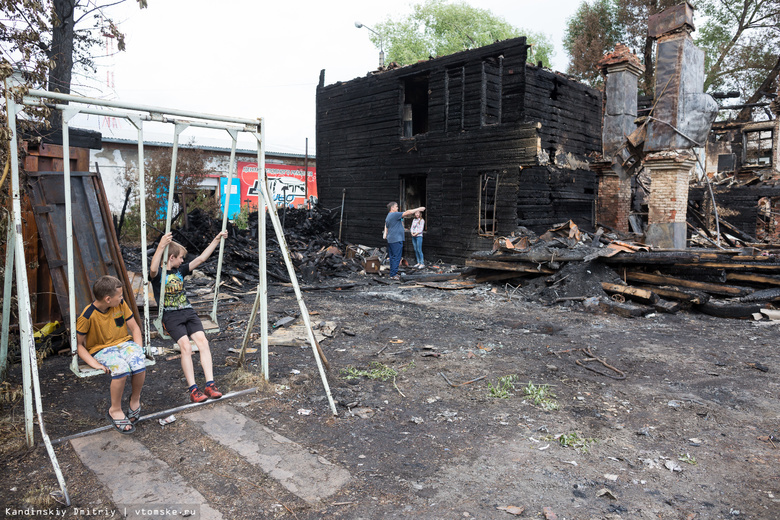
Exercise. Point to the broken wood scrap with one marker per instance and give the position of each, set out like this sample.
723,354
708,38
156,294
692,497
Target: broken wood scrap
430,277
667,306
678,293
704,234
712,288
520,267
641,295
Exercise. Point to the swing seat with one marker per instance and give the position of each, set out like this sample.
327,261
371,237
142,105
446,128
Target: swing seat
81,369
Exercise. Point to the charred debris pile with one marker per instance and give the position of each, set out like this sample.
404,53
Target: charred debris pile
316,253
600,271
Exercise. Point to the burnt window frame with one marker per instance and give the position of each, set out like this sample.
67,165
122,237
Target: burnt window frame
416,87
484,215
756,154
488,116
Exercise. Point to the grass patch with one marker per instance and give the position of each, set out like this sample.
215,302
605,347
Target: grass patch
376,371
503,388
573,440
39,497
241,378
687,459
541,396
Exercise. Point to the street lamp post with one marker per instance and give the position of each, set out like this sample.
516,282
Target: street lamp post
381,47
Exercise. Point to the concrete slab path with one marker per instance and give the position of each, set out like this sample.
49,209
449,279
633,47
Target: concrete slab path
141,485
308,476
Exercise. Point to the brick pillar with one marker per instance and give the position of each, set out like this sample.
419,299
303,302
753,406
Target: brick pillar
622,70
668,205
614,202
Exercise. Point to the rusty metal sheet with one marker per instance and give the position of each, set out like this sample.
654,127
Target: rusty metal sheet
95,247
670,19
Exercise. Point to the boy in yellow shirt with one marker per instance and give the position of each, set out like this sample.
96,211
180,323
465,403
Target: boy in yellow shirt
109,339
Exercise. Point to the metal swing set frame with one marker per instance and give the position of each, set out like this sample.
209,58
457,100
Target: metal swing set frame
15,263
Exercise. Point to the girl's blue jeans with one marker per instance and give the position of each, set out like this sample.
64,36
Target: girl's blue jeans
417,243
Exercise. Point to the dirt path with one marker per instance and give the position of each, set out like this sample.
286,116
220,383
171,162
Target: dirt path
685,435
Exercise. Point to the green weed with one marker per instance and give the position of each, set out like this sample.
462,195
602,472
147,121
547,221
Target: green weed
573,440
687,458
377,371
541,396
503,388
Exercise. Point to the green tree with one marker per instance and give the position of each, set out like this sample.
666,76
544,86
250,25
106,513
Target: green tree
437,28
741,39
590,33
46,39
742,43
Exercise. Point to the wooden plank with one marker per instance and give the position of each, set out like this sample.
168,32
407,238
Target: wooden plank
508,266
711,288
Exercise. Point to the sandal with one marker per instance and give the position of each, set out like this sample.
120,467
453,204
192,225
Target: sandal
121,424
133,415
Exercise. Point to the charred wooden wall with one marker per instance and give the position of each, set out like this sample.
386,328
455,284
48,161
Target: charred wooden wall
548,196
476,122
570,113
738,205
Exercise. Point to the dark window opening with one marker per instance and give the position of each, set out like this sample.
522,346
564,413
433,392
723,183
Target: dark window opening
758,148
492,85
554,91
412,192
727,162
454,99
488,197
415,106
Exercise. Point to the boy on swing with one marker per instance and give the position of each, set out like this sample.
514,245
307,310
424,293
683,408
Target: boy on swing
179,318
109,339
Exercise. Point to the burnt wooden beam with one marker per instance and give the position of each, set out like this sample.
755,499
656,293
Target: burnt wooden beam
711,288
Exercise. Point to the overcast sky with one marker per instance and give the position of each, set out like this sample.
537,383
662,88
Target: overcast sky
251,59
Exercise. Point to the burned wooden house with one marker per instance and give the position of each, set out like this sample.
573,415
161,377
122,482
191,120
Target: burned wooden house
484,140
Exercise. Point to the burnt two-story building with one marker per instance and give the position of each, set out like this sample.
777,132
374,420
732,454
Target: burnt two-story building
483,140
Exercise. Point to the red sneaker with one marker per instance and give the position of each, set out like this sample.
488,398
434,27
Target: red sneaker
212,392
196,396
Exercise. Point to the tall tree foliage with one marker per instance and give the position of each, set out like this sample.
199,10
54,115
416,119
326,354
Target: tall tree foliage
437,28
591,33
741,39
46,39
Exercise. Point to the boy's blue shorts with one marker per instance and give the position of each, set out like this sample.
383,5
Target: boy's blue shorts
123,359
